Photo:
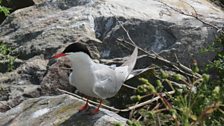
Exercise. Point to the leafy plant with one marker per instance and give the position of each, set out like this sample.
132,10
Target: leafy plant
196,101
4,10
5,56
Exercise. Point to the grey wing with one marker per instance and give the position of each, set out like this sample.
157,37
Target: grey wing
106,84
122,73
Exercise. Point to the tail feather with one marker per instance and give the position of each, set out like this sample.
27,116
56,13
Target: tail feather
131,60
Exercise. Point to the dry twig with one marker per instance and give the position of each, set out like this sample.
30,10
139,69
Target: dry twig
178,66
194,15
120,110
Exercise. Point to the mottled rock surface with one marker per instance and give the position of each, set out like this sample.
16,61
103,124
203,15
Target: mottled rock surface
57,110
46,27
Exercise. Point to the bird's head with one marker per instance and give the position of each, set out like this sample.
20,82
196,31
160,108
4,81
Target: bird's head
72,49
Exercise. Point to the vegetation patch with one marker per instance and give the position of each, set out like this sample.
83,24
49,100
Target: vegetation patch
6,59
194,101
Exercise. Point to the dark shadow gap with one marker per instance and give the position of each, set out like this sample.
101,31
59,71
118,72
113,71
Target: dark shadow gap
14,5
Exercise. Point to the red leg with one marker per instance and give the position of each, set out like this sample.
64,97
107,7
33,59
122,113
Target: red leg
86,106
97,109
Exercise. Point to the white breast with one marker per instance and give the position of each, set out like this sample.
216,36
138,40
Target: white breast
82,76
82,83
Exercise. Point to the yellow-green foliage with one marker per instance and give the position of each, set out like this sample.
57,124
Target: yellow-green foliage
5,56
4,10
198,102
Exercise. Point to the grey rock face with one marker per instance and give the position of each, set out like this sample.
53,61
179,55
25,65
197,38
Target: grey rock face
48,26
57,110
39,31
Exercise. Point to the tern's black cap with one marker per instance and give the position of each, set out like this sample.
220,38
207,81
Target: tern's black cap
77,47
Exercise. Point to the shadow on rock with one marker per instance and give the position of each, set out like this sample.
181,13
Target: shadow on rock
83,118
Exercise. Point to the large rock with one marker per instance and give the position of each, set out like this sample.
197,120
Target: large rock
57,110
22,83
48,26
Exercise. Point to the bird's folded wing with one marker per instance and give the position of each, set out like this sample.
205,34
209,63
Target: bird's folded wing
105,86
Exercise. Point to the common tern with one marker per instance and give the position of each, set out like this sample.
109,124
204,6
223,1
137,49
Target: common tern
95,79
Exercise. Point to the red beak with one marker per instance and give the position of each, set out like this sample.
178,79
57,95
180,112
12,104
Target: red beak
58,55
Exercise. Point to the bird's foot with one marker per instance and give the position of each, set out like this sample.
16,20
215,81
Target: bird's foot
84,107
95,111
